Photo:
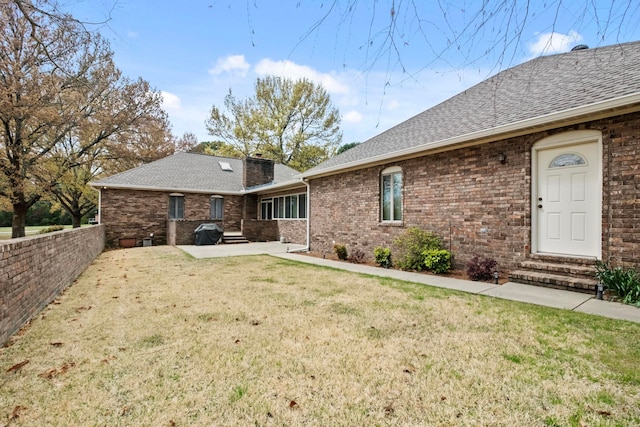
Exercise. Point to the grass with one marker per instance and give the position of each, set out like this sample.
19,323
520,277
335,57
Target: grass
149,336
31,230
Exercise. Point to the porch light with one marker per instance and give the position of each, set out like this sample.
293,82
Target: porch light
503,158
496,276
599,291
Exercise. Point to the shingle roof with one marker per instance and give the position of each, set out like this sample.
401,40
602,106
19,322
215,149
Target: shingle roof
542,86
190,172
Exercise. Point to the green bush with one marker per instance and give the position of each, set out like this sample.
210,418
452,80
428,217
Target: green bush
52,229
411,245
382,257
341,251
437,260
624,282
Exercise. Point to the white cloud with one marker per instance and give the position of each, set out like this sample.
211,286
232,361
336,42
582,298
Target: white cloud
170,102
393,105
550,43
352,117
231,64
292,70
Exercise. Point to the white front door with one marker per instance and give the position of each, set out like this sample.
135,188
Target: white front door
568,201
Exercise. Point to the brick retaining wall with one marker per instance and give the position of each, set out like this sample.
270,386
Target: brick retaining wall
34,270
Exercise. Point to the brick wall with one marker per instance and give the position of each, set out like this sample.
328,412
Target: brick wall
260,231
475,203
257,171
293,230
34,270
182,232
136,214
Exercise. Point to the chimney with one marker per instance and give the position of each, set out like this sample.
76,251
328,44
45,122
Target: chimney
257,171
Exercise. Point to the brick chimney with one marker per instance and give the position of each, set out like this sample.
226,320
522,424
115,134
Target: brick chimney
257,171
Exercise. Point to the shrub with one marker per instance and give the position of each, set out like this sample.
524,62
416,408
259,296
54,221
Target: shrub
52,229
341,251
357,256
410,247
480,268
382,257
437,260
624,282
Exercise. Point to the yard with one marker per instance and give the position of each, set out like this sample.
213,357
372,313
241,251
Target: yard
150,336
31,230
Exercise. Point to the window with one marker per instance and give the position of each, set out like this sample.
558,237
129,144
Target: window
267,209
568,159
285,207
217,207
176,206
391,194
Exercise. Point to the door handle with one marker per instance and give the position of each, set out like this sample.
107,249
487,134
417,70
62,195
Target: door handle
540,206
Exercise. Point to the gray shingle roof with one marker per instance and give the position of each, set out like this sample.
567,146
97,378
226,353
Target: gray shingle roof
542,86
190,172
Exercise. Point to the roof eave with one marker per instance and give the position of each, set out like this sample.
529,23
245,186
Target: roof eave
598,110
276,187
100,186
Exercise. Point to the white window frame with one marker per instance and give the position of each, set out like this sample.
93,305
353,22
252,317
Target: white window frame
176,206
212,215
287,207
392,173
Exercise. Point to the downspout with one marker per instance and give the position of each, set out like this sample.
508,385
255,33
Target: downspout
99,206
306,248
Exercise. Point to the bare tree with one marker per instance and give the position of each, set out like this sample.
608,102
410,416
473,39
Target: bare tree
453,34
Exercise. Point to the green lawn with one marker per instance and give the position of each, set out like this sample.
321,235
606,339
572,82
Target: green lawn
151,336
5,232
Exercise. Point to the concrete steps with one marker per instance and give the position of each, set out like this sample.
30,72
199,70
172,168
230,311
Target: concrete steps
577,274
233,238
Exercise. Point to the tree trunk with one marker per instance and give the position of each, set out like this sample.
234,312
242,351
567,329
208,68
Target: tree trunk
76,220
19,219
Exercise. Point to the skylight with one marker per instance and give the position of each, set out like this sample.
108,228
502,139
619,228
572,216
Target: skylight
225,166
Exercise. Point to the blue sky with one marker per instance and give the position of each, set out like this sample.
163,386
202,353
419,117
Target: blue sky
195,51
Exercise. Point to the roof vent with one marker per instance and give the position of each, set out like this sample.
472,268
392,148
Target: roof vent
225,166
580,47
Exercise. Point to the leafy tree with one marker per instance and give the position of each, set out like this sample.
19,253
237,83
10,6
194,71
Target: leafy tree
187,142
66,112
291,122
43,64
345,147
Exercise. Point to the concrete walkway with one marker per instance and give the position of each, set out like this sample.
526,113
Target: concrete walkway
548,297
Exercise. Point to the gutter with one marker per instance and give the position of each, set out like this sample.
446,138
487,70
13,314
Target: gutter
621,105
308,247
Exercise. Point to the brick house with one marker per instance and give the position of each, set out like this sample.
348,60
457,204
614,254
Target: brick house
171,197
537,167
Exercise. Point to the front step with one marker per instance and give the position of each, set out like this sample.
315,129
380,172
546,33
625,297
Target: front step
576,274
232,238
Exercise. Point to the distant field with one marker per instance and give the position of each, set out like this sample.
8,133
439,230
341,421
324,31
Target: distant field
5,232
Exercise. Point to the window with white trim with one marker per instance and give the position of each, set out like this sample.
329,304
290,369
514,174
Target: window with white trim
176,206
391,195
217,207
285,207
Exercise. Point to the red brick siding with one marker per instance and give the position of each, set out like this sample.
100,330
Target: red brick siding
475,203
137,214
34,270
260,231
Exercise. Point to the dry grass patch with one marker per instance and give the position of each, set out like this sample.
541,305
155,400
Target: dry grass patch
149,336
